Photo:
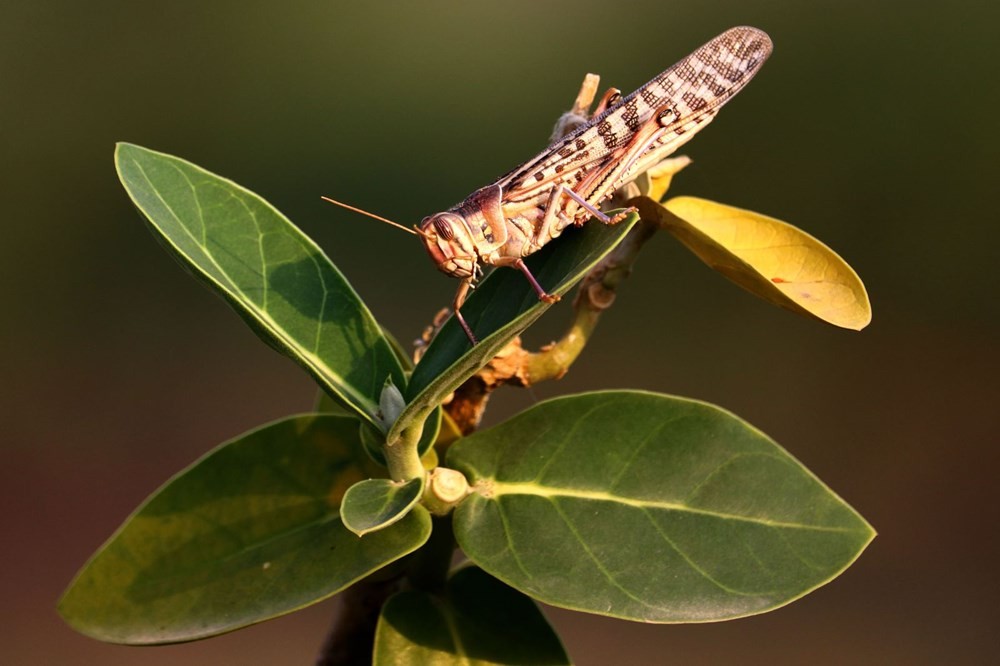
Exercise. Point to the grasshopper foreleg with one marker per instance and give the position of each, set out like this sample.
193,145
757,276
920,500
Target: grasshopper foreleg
456,307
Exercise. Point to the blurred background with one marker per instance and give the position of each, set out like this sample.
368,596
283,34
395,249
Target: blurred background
872,127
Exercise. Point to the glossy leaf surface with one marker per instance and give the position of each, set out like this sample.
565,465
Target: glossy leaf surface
476,621
648,507
249,532
273,275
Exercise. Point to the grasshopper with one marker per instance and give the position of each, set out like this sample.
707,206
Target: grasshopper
565,184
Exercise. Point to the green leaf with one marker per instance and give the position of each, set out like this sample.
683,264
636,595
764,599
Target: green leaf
655,182
651,508
402,355
477,620
249,532
273,275
501,307
327,405
374,504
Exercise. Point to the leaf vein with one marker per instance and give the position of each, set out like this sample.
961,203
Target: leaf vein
596,560
501,488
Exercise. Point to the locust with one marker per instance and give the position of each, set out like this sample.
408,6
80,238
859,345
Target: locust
566,183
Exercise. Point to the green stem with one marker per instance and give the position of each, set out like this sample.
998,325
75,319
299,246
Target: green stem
402,455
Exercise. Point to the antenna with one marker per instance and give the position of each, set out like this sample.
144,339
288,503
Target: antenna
377,217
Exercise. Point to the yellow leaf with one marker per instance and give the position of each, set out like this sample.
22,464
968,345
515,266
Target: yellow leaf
449,430
430,459
770,258
655,182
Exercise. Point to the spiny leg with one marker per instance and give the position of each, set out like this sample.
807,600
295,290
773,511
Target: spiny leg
555,210
596,212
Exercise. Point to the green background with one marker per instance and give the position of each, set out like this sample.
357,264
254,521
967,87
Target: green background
871,127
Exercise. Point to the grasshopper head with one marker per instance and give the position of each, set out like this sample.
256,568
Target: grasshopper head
447,239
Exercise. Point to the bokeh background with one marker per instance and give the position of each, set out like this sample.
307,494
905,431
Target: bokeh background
872,127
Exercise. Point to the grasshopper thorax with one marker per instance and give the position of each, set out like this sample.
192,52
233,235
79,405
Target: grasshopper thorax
448,241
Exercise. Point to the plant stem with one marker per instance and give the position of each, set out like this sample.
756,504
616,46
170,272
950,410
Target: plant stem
352,637
429,566
402,456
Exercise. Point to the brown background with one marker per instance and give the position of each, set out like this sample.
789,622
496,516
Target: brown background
873,127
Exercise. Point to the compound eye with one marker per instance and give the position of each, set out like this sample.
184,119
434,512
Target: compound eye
443,229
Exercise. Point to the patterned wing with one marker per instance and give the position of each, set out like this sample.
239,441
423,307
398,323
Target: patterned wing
694,89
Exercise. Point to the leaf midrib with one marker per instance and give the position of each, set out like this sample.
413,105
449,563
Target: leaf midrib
494,490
